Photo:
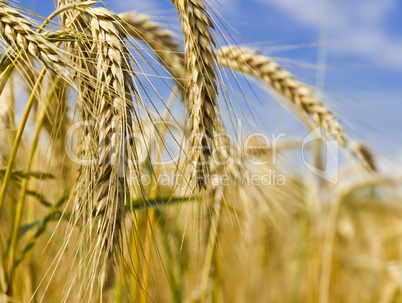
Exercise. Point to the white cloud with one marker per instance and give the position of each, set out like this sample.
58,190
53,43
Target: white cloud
357,27
140,5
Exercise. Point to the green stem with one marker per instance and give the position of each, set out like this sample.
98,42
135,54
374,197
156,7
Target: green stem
154,194
301,253
17,140
213,234
31,100
175,284
41,228
24,120
20,204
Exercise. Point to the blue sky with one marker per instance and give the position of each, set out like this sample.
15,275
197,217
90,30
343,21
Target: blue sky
359,43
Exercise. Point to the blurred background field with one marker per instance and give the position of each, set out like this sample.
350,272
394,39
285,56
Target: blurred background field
296,239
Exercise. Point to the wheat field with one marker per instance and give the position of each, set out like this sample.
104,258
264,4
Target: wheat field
131,171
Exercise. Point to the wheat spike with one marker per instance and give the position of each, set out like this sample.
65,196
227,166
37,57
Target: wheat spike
84,66
300,95
362,151
114,88
247,61
200,82
15,29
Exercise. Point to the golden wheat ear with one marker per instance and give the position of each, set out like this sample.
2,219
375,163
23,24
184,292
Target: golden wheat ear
15,29
200,82
84,60
113,92
247,61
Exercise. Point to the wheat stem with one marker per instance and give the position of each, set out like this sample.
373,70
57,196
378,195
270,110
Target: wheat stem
17,141
6,122
328,251
154,195
212,238
41,227
24,184
11,162
21,127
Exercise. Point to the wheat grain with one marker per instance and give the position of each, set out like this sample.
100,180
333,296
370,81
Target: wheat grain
200,82
300,95
15,29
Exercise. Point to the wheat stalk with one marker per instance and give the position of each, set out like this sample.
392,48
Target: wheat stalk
300,95
159,40
200,82
6,123
15,29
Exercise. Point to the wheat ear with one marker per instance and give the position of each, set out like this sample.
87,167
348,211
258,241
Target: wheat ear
159,40
114,87
200,82
300,95
14,28
84,61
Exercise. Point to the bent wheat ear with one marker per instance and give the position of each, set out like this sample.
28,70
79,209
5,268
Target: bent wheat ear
84,61
159,40
15,29
300,95
113,88
200,82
